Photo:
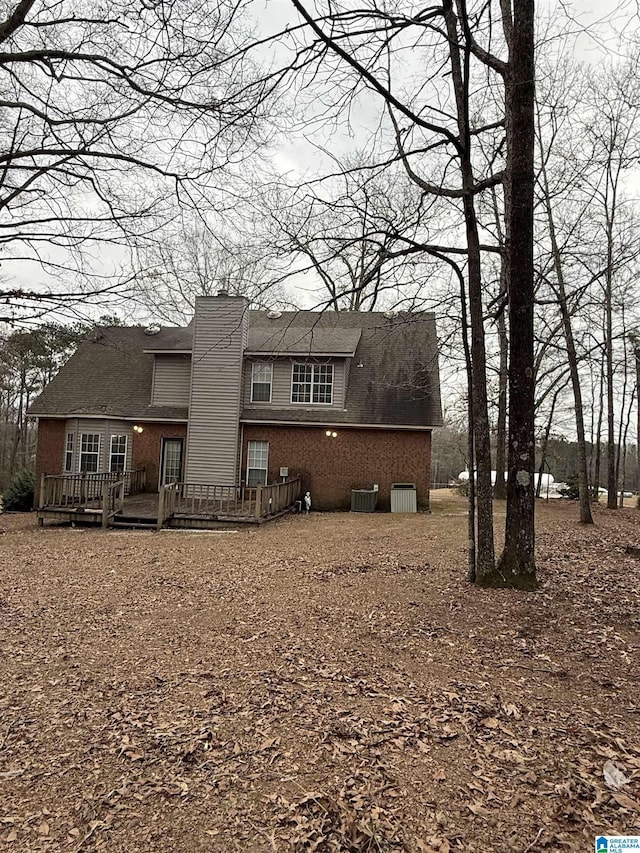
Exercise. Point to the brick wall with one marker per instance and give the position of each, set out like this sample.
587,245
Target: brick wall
145,450
355,459
146,447
330,467
50,452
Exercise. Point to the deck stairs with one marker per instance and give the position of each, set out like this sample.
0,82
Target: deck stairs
133,522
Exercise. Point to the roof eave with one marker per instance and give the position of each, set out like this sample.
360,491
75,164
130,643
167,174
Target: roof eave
300,353
110,416
339,424
167,351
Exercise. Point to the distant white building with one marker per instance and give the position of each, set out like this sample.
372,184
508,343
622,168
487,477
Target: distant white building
547,481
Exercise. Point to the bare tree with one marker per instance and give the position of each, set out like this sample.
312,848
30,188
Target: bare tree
553,110
359,233
614,133
430,120
28,360
111,115
193,260
591,245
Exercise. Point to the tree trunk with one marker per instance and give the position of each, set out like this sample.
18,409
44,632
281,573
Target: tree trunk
19,425
517,567
623,429
545,443
572,357
637,354
598,466
485,557
500,489
471,518
612,496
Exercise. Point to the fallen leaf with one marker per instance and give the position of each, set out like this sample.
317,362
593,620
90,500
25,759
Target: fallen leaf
269,743
613,776
626,802
479,810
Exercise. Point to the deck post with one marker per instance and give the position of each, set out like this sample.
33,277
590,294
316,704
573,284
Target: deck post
258,509
105,504
41,495
160,508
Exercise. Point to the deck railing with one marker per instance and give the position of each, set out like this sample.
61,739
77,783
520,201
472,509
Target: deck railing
238,501
136,481
112,500
167,503
277,497
209,500
86,490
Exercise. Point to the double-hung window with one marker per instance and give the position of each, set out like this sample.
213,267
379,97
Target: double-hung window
118,453
261,379
89,452
68,453
312,383
257,463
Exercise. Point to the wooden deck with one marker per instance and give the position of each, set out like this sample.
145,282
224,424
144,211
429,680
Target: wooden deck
103,502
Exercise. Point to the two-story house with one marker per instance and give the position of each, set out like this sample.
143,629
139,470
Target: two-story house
346,400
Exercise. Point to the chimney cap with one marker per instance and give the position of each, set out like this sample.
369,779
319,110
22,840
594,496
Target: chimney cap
222,292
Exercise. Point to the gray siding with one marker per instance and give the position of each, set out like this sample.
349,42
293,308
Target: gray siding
281,385
118,428
171,380
220,330
105,429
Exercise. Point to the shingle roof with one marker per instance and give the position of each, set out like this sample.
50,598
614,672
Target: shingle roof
109,375
396,384
301,333
288,333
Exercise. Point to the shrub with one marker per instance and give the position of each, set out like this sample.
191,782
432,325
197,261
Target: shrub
572,491
19,494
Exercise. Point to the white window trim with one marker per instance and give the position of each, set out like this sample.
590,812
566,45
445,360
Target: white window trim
163,460
86,453
253,468
268,364
126,450
68,469
313,367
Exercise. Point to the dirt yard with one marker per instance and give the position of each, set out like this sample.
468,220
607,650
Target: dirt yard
329,684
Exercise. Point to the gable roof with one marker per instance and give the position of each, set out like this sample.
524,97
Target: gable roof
108,375
393,372
393,376
301,333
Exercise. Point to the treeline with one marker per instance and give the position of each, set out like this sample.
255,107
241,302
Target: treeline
560,457
28,361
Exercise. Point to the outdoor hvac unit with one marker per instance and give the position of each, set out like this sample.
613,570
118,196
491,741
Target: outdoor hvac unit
404,497
363,500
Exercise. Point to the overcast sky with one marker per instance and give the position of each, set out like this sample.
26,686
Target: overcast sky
300,153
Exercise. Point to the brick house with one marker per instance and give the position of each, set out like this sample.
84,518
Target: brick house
345,400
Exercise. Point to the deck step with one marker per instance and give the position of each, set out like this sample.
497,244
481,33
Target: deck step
134,521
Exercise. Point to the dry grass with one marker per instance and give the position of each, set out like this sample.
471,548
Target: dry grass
328,683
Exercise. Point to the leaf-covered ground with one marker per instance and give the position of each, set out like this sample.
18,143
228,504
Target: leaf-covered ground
328,683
